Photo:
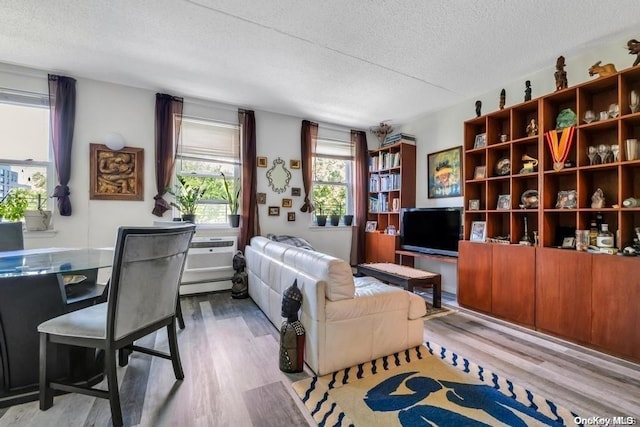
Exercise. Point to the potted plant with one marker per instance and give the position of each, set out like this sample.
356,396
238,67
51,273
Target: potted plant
321,219
335,215
187,196
37,219
348,220
232,196
13,205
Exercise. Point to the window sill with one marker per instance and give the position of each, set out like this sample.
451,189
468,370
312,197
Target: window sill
331,227
45,234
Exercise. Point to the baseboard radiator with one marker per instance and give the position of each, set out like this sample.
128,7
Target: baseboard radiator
209,265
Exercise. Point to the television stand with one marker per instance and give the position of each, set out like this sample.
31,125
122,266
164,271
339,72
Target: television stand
412,254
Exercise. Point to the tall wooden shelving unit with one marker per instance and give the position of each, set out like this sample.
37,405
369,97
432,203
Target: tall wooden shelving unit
577,295
392,175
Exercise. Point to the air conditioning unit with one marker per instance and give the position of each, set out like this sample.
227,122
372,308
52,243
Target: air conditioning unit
209,265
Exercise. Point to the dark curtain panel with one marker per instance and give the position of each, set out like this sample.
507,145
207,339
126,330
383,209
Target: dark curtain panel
168,124
62,110
361,157
308,140
249,223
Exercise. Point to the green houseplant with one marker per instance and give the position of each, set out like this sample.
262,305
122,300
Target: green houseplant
335,215
13,205
232,196
187,195
321,219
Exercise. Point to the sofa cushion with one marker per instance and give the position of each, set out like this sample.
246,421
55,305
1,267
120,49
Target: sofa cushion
371,297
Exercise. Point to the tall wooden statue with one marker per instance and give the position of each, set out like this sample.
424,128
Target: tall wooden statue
292,333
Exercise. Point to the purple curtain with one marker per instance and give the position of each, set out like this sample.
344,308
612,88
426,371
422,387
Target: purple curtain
361,157
62,111
308,141
250,223
168,124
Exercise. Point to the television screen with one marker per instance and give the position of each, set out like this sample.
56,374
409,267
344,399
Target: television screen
431,230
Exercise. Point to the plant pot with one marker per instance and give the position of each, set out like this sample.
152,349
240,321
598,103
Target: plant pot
348,220
234,220
335,220
322,220
189,218
36,220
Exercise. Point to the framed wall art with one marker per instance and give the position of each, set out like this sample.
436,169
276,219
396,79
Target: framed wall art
294,164
445,173
116,175
295,191
291,216
262,198
287,203
274,210
261,161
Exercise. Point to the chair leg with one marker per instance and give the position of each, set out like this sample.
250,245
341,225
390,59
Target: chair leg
112,382
46,392
173,349
179,314
123,356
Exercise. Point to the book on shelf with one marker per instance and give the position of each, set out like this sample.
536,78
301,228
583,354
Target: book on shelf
399,137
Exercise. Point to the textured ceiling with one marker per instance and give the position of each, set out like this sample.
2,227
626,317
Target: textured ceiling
345,62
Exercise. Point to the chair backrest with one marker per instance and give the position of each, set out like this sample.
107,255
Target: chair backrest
147,267
11,236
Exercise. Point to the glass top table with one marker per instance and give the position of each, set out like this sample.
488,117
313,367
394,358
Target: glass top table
53,261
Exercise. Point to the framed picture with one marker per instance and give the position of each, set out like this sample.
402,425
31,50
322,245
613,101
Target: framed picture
295,191
504,202
291,216
287,203
478,231
262,198
371,226
480,172
262,162
474,204
116,175
445,173
569,242
480,141
567,199
294,164
274,210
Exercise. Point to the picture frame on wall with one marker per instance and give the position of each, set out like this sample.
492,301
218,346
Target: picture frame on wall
274,210
287,203
478,231
261,161
295,191
445,173
116,175
294,164
291,216
262,198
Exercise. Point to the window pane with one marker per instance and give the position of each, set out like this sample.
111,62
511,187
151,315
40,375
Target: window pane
330,170
330,199
24,132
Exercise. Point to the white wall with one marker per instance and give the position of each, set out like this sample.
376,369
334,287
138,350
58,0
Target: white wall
444,129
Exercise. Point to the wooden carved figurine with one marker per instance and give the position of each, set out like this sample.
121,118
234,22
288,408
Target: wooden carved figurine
634,49
560,74
527,90
602,70
478,108
503,98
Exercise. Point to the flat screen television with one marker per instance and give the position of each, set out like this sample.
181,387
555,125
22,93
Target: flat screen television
431,230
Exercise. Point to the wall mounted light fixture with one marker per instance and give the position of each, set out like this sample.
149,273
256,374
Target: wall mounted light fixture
114,141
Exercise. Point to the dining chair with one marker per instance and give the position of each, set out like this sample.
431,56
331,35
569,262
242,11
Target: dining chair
142,296
11,238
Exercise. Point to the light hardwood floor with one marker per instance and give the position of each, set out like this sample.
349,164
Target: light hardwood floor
229,353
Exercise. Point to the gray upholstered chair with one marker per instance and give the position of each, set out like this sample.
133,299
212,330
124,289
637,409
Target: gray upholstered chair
11,236
148,264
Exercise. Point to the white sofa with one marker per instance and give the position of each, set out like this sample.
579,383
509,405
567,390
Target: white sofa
347,320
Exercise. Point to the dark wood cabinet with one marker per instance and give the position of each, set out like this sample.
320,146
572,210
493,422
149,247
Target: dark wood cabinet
513,283
474,276
380,247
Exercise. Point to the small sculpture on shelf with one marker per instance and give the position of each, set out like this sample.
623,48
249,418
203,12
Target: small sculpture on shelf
503,98
532,128
634,49
602,70
525,239
527,91
529,164
560,74
597,200
381,131
478,108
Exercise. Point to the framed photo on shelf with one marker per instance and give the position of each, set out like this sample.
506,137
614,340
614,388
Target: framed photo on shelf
474,205
480,172
371,226
480,141
504,202
478,231
567,199
445,173
569,242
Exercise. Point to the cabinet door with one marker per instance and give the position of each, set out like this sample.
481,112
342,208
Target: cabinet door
370,245
513,275
563,292
616,295
380,247
474,275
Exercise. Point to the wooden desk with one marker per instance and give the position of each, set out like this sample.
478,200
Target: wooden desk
407,277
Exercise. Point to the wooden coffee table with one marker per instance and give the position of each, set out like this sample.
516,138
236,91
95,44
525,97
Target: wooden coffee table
404,276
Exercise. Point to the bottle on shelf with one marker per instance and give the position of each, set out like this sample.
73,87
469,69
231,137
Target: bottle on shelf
593,233
605,237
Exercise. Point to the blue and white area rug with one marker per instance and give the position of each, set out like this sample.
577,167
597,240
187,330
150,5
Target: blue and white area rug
424,386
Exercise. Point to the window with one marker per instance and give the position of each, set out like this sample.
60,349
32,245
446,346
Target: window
333,177
25,159
206,150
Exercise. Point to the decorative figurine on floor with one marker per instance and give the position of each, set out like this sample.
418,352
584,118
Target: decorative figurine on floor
560,74
503,98
597,200
527,91
634,49
478,108
602,70
292,332
532,128
240,281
